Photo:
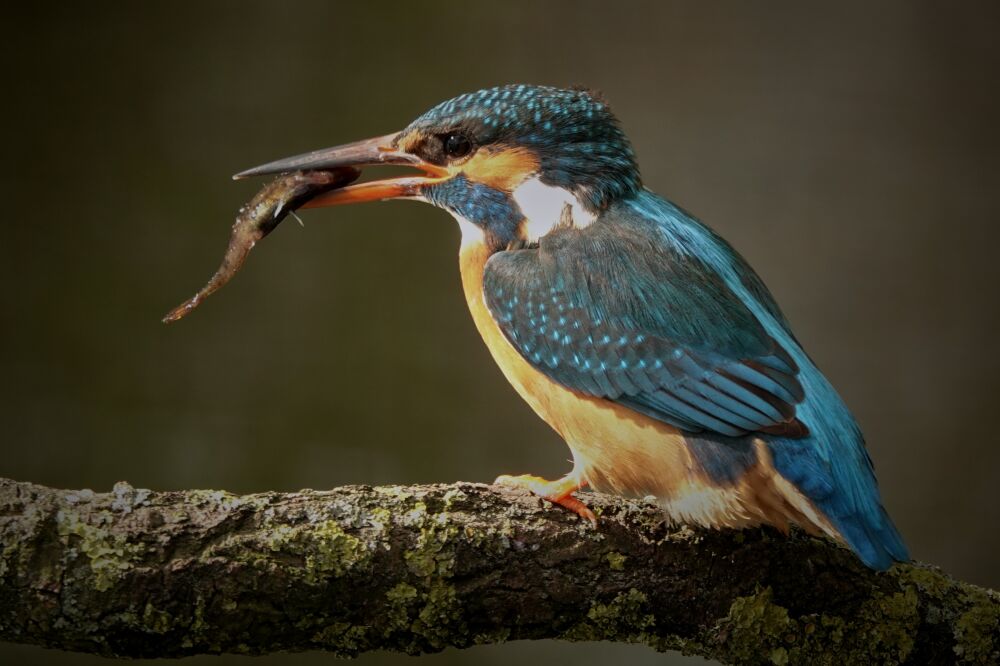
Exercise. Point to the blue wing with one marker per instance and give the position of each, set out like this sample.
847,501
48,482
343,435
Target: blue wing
608,311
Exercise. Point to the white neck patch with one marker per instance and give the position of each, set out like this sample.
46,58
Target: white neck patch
472,234
543,206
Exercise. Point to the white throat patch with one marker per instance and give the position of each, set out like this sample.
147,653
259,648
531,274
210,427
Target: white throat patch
472,234
543,207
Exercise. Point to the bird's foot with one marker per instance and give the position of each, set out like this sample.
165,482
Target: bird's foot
558,492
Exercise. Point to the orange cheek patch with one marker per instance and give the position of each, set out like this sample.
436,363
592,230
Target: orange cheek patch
502,169
409,142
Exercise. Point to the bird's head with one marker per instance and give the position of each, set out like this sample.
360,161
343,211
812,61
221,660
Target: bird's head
512,162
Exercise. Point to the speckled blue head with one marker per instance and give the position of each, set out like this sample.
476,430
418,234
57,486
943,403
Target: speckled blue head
569,136
509,160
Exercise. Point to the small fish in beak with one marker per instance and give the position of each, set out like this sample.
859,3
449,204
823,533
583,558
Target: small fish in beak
313,180
260,216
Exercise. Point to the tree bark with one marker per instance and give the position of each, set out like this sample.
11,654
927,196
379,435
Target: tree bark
134,573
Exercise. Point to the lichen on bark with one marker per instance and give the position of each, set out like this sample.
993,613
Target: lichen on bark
417,569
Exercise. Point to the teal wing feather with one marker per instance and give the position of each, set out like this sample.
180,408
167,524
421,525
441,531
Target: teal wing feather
605,311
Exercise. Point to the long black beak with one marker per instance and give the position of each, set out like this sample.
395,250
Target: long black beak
369,152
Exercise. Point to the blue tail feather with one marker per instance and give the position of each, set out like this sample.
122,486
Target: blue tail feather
831,467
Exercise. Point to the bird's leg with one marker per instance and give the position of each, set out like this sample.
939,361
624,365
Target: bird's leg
558,492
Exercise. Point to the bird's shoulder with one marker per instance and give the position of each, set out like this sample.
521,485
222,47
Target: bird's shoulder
651,267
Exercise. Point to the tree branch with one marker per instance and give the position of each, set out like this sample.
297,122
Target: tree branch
141,574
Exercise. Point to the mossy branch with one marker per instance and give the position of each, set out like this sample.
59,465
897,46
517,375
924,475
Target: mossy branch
135,573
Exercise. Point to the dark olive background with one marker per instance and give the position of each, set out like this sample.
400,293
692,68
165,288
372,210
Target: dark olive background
849,150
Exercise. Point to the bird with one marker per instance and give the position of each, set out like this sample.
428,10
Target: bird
642,337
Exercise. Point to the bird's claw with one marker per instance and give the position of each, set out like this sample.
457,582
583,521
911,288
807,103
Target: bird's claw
558,492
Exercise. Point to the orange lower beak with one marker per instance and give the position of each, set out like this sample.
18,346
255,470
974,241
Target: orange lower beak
370,152
375,190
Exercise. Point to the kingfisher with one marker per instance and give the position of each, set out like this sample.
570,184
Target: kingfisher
635,331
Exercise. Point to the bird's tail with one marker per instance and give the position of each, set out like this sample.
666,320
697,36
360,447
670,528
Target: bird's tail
876,541
834,472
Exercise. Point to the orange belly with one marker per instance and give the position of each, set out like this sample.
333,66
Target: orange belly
624,452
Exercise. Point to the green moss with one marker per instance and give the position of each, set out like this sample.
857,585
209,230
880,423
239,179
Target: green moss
417,515
492,538
756,624
492,637
928,581
758,614
110,555
156,621
833,628
380,518
327,550
438,615
399,600
198,626
197,630
616,561
976,629
452,495
891,621
433,551
333,551
399,492
881,631
440,621
779,656
6,550
625,619
421,562
342,638
401,593
434,615
222,500
627,610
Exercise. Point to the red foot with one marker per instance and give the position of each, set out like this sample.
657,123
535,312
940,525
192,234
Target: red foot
558,492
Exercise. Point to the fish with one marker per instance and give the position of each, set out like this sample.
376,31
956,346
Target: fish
259,217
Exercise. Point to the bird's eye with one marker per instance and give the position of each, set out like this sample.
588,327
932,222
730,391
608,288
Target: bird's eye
457,145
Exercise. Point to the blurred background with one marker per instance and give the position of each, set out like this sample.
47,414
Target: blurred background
849,150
